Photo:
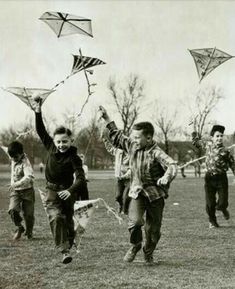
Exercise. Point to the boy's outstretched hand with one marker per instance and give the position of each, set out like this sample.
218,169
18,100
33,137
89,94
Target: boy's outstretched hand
37,104
102,113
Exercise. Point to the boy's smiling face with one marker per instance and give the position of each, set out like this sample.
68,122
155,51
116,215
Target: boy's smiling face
140,139
217,138
62,142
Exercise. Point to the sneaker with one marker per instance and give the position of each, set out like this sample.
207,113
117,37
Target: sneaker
18,233
66,258
148,260
213,224
226,214
131,253
28,235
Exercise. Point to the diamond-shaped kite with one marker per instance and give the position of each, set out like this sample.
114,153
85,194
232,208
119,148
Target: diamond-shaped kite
207,59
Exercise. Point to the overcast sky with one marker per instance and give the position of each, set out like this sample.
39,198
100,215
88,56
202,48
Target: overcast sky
149,38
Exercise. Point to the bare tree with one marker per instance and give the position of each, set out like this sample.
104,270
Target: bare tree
90,144
166,125
201,108
127,100
25,134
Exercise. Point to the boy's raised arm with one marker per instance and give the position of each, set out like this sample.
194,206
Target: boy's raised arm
40,127
117,138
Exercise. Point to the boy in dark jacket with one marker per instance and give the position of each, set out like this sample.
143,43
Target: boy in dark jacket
62,164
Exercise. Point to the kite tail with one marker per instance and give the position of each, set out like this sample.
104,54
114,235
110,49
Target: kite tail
62,81
77,242
111,210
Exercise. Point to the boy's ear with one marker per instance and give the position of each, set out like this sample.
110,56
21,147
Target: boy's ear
149,138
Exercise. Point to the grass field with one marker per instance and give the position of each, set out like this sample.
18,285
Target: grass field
189,254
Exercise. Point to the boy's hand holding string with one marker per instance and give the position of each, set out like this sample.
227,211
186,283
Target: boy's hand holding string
64,195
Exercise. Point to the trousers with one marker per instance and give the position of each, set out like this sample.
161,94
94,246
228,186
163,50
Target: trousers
22,200
60,215
152,223
216,184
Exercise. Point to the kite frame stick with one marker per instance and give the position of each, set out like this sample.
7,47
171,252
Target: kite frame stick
198,159
207,63
27,98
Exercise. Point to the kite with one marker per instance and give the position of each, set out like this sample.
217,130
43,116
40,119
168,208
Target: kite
83,211
29,95
66,24
82,63
207,59
5,149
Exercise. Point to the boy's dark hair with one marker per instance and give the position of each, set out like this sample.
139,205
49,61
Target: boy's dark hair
62,130
146,126
219,128
15,148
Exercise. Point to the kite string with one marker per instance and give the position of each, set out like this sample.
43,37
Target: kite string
111,210
62,81
88,86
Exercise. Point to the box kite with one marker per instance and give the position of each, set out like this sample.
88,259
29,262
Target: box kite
207,59
66,24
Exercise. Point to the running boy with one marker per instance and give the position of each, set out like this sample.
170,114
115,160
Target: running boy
151,172
218,161
122,173
61,165
21,190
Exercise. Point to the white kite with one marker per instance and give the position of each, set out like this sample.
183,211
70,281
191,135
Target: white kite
207,59
5,149
29,95
66,24
83,211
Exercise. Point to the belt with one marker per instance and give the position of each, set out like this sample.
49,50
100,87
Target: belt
56,187
216,174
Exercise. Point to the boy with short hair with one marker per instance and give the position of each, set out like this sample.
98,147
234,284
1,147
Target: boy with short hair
61,165
218,161
22,196
152,170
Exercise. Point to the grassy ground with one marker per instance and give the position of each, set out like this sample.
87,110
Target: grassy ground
189,255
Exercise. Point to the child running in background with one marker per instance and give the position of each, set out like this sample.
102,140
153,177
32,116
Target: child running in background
218,161
62,164
122,173
22,195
